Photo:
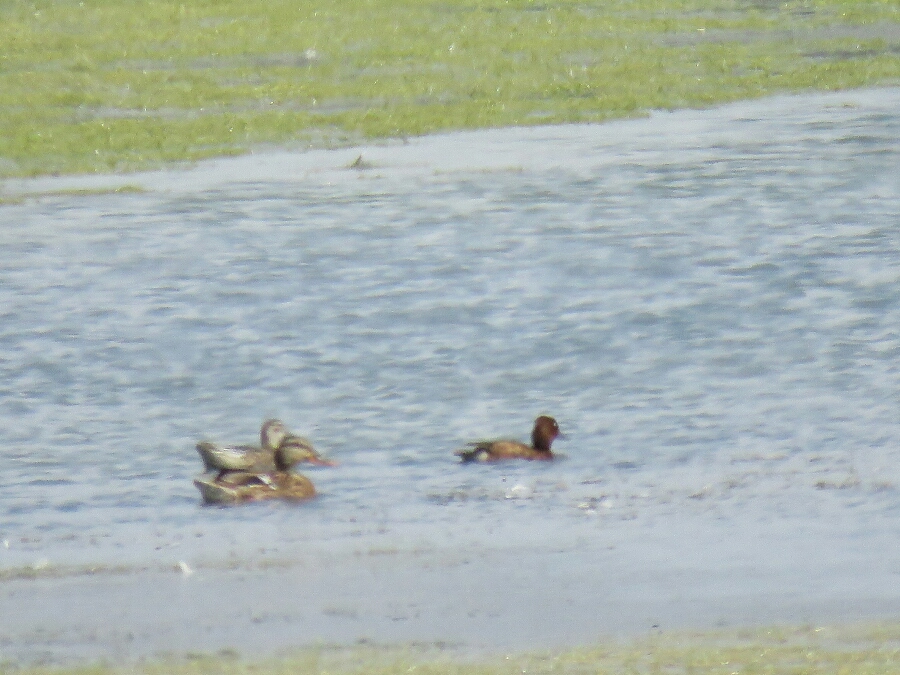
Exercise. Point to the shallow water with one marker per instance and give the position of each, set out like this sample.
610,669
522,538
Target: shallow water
707,301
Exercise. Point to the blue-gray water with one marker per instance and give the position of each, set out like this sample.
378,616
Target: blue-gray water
708,302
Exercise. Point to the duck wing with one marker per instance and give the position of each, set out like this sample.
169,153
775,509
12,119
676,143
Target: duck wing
235,457
492,451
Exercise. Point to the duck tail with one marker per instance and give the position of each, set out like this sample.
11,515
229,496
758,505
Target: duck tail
476,452
206,449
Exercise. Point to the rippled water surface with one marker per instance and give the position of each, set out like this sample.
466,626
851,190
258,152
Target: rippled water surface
708,302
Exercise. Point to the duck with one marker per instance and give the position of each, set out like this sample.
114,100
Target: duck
546,430
279,450
237,487
224,458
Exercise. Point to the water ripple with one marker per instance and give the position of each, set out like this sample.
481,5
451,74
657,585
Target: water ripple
707,301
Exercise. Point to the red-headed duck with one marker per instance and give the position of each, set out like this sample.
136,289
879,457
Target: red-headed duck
545,431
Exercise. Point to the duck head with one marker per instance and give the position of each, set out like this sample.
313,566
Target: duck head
272,434
296,449
546,430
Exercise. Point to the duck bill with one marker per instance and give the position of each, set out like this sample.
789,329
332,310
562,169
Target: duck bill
318,461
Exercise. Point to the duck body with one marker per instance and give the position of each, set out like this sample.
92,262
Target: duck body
238,487
545,431
496,451
245,457
235,457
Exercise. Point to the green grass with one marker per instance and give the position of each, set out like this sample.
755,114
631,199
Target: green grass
856,650
105,85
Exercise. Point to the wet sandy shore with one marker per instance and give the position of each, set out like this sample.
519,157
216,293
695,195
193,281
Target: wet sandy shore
474,602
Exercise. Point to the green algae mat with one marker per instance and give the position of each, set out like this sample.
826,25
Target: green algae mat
114,85
854,650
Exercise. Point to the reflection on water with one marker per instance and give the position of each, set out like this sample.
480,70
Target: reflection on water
707,302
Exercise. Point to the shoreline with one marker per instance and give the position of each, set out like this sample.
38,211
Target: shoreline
807,649
432,155
182,83
473,604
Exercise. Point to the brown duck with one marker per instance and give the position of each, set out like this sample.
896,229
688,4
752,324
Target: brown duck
545,431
